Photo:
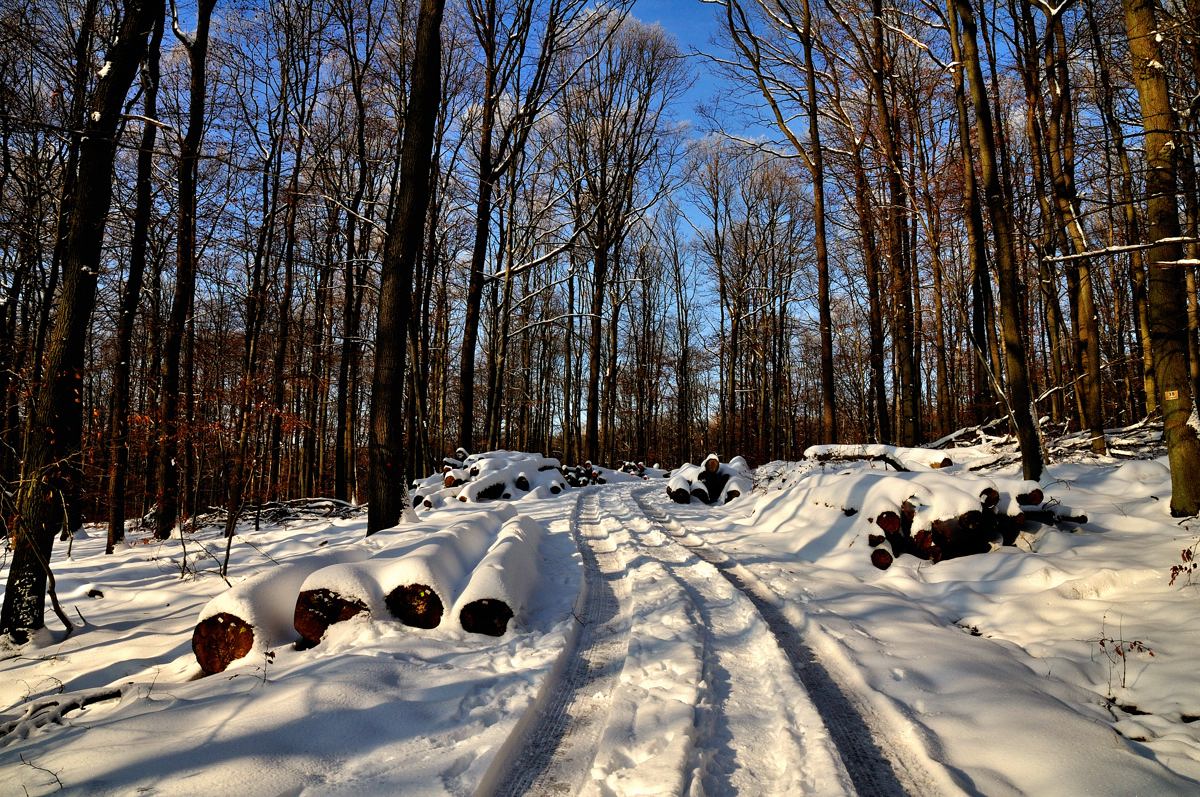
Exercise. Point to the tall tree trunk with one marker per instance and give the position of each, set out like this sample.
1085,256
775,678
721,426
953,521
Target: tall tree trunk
52,480
908,402
119,412
386,481
1020,399
185,278
1168,308
1060,127
595,340
866,225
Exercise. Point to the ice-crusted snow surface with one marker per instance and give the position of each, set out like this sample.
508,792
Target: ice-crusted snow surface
1013,672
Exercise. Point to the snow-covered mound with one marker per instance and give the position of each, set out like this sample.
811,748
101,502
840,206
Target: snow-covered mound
257,614
710,482
503,583
281,719
415,579
491,476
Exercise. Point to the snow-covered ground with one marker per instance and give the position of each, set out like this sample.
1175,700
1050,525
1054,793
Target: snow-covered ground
664,649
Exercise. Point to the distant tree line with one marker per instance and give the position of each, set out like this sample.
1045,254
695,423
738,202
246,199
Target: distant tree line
255,251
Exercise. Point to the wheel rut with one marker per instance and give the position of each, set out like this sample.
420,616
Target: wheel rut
870,770
557,750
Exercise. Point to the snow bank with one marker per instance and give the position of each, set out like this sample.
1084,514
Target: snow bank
1002,670
909,458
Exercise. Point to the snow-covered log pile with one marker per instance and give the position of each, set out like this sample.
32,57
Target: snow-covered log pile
587,473
932,514
500,587
414,581
257,614
898,458
711,482
491,476
958,517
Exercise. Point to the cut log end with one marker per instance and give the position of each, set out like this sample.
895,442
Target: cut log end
888,521
220,640
881,558
317,609
680,496
732,494
486,616
1032,498
416,605
989,498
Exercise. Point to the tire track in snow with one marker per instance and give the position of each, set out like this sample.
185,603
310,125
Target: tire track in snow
756,731
871,770
555,753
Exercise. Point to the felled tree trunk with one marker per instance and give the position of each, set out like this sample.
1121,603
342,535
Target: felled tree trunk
320,608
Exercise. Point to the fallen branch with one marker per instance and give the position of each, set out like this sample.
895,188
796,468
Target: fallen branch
52,711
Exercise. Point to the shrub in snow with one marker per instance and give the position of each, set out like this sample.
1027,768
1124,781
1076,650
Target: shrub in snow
256,614
501,585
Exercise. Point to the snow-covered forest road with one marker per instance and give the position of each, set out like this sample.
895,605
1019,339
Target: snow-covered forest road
686,681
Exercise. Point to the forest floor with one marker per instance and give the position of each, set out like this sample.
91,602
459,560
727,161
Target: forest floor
668,649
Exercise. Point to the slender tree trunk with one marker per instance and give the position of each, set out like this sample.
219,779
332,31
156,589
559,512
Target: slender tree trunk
185,279
908,402
119,442
1020,399
386,485
52,480
1060,127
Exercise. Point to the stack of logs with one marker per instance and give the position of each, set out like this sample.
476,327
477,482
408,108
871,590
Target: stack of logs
976,531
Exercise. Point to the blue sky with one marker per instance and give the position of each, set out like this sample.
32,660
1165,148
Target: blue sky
692,23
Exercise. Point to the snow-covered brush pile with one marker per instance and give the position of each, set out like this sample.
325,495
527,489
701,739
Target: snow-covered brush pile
711,482
491,476
480,569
